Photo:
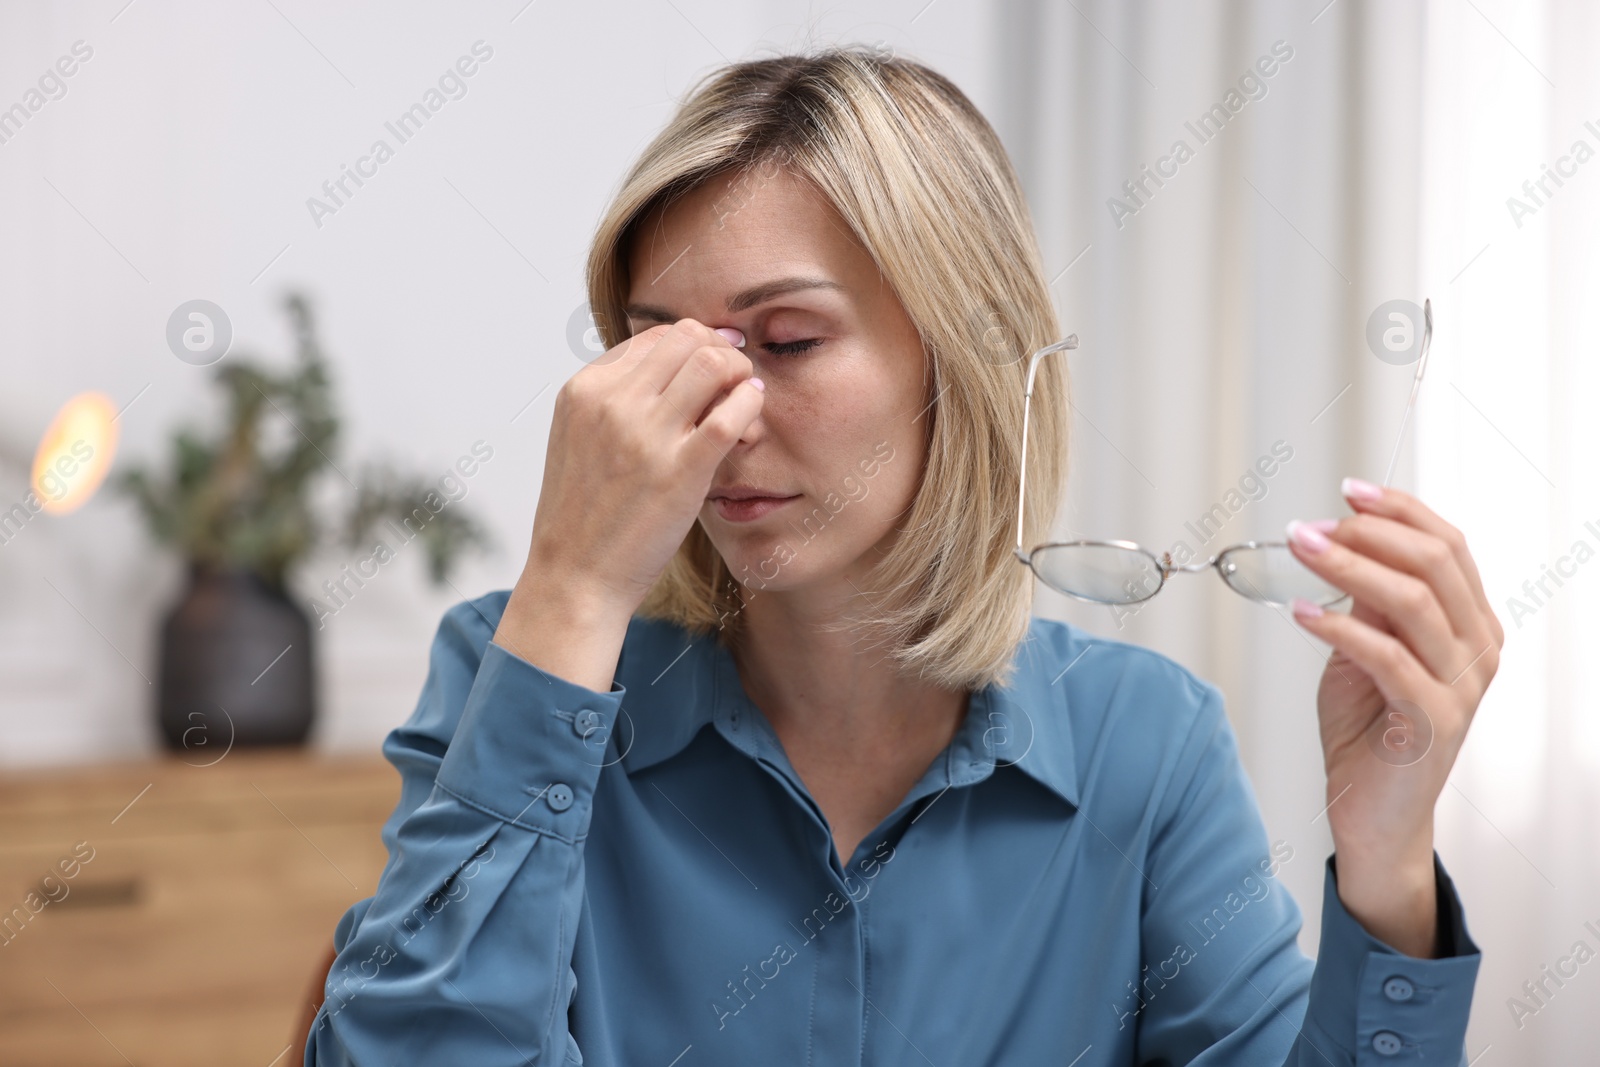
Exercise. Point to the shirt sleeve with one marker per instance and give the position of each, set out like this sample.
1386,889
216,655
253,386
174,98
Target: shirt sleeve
464,952
1224,981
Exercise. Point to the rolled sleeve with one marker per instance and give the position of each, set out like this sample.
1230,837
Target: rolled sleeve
530,746
1384,1005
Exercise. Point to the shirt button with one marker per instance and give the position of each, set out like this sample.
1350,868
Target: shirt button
586,722
559,797
1386,1043
1398,988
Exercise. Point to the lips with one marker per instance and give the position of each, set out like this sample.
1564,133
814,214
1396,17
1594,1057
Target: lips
748,509
751,494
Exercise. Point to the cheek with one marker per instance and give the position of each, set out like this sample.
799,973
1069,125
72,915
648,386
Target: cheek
874,461
847,398
800,408
892,486
839,427
835,429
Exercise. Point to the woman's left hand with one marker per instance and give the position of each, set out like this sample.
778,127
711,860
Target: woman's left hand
1411,662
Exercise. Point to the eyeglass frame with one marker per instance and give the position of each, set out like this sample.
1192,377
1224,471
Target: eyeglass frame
1164,565
1164,562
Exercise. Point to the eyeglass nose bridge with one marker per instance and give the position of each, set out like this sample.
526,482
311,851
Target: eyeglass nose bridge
1168,567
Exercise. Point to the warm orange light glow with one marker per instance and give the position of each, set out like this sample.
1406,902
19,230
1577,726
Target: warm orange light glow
75,453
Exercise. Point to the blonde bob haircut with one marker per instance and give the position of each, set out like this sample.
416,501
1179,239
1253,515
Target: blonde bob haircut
927,189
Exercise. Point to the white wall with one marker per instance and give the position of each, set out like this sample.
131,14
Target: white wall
178,165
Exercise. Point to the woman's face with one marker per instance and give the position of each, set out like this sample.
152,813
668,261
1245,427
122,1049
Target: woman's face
843,424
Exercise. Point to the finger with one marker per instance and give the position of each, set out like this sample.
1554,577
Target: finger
1386,659
1421,555
1402,506
632,350
1394,503
727,420
1370,615
709,372
653,364
1407,602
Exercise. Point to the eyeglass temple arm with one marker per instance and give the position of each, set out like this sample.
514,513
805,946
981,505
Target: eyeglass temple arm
1022,478
1416,386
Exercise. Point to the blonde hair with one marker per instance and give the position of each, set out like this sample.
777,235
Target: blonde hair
926,187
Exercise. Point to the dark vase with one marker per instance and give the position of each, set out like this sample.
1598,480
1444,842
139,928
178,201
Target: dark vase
236,666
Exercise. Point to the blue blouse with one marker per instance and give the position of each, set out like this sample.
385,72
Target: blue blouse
1082,877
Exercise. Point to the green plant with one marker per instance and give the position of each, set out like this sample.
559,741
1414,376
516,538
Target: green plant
240,501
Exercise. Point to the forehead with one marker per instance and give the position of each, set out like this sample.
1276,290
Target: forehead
738,227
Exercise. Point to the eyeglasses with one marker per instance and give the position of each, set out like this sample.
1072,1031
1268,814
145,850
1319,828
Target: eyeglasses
1124,572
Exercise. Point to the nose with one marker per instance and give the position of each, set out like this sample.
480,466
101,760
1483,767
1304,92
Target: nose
753,432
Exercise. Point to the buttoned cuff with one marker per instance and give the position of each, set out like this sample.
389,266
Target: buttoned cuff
529,746
1383,1006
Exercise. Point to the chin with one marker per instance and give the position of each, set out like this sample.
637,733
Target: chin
764,558
768,564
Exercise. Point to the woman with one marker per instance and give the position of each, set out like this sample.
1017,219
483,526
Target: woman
764,758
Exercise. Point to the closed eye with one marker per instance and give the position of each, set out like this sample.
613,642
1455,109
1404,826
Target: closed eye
792,348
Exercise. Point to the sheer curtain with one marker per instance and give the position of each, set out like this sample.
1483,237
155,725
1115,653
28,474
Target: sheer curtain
1508,443
1222,314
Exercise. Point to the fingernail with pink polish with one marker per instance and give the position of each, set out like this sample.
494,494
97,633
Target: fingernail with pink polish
1305,609
1307,536
1356,489
732,336
760,385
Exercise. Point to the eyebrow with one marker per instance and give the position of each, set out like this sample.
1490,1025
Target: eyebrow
741,301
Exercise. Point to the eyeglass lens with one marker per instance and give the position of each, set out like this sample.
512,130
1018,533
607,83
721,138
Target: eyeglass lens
1102,574
1113,574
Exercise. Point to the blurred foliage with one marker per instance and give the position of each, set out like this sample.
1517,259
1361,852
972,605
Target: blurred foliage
403,498
239,501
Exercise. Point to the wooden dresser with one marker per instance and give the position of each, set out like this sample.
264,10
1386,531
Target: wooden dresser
209,897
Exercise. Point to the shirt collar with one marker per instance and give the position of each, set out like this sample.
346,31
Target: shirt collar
676,684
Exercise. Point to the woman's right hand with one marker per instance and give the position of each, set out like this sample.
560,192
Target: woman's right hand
635,441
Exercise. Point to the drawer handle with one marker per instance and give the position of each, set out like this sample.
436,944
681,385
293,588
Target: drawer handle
115,893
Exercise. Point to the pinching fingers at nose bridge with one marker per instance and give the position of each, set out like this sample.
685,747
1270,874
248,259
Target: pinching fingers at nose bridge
661,352
735,337
697,373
